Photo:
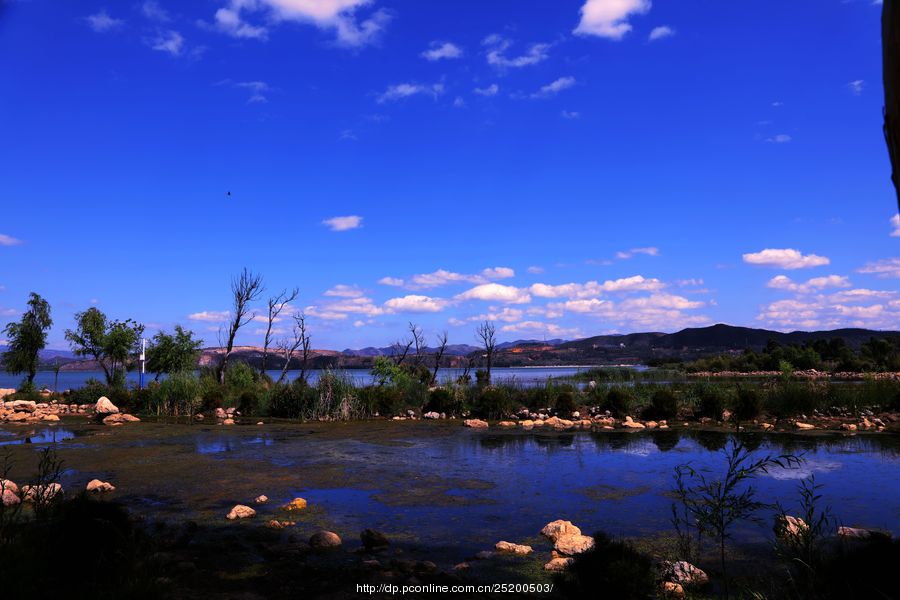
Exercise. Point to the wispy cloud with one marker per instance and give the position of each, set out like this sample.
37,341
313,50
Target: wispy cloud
490,90
816,284
214,316
856,87
895,225
441,50
153,11
661,32
169,41
344,291
405,90
781,138
554,87
497,45
8,240
443,277
648,251
343,223
886,268
609,18
785,258
570,114
101,22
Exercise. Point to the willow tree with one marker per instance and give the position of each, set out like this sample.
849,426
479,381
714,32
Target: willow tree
27,338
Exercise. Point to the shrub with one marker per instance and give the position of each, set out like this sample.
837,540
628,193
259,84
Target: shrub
441,400
663,405
248,403
565,402
748,404
612,569
711,399
493,403
620,401
793,397
177,395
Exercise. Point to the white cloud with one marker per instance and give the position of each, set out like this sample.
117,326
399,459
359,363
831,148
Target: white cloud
498,273
497,46
635,283
609,18
338,16
786,258
783,282
661,32
535,270
416,303
656,311
344,291
626,254
170,41
570,114
781,138
885,268
210,316
842,309
495,292
505,314
8,240
392,281
439,50
554,87
343,223
102,22
405,90
895,223
258,90
856,87
490,90
153,11
340,309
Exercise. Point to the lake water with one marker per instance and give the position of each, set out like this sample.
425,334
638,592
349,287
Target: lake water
450,490
69,380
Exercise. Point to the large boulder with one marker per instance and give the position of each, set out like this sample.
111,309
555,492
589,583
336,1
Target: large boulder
685,574
787,526
8,484
9,498
859,533
475,423
105,407
570,545
323,540
4,392
373,539
559,528
240,512
41,494
119,419
24,406
295,504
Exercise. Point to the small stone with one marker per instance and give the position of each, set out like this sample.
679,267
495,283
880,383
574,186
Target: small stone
95,486
295,504
803,426
513,548
261,499
475,423
787,526
686,574
240,512
558,564
670,589
373,539
228,422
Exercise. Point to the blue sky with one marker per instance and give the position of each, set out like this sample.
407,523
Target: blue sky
565,169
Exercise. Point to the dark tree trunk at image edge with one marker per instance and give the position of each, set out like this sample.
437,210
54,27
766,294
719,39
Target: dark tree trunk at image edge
890,39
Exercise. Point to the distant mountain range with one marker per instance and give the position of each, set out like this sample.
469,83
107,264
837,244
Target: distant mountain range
631,348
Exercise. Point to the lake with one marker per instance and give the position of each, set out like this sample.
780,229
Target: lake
75,379
446,490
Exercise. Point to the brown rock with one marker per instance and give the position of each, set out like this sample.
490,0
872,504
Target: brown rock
240,512
558,564
570,545
95,486
323,540
475,423
559,528
295,504
513,548
105,407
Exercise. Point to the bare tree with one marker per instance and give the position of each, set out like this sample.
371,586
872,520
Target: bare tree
401,349
288,348
442,347
486,332
245,289
275,305
418,340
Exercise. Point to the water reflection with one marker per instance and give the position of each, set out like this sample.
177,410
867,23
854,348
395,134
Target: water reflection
47,435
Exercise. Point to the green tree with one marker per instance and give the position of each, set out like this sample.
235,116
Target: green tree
27,338
172,354
107,342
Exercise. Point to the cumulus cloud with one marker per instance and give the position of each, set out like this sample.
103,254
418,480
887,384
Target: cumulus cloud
101,22
635,283
210,316
490,90
543,328
886,268
554,87
842,309
344,291
8,240
497,45
343,223
392,281
783,282
340,309
495,292
416,303
442,277
338,16
656,311
609,18
785,258
441,50
405,90
661,32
